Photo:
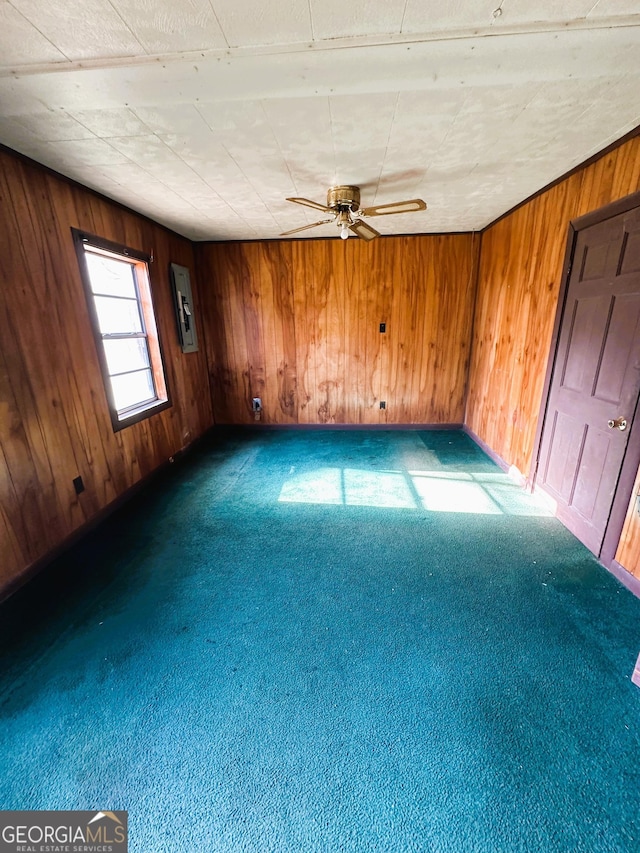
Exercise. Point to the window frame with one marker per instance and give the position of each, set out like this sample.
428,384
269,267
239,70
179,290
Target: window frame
139,261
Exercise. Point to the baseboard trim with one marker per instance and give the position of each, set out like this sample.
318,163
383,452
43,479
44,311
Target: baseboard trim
486,449
258,425
37,567
631,582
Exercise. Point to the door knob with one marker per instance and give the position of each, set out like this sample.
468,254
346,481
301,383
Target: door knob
619,423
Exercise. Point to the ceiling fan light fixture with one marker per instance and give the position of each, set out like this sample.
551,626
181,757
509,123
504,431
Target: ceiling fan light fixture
343,203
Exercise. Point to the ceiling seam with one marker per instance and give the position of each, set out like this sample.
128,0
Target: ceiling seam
39,31
333,143
282,154
131,32
386,147
311,27
404,14
245,176
190,167
215,15
589,108
448,132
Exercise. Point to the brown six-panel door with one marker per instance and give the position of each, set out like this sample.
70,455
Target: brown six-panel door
596,378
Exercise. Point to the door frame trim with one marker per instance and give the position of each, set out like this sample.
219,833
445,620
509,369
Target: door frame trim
631,460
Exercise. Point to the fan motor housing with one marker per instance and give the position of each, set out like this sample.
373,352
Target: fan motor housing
343,197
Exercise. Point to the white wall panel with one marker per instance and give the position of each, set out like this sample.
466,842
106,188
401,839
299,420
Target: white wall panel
333,19
284,22
164,26
81,29
421,17
21,43
106,123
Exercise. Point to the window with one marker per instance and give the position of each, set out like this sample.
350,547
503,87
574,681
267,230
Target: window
116,281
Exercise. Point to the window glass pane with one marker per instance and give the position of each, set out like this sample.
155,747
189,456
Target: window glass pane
123,355
132,388
118,286
111,277
117,315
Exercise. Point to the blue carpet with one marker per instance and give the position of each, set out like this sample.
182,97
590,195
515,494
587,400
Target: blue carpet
329,641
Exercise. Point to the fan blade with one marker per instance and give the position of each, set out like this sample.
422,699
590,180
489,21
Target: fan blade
308,203
411,206
364,230
304,227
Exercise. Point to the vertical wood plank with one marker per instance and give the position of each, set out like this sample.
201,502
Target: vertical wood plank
304,306
280,331
352,355
319,323
628,553
376,293
218,347
335,333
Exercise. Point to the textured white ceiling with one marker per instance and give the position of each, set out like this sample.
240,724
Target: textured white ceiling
206,114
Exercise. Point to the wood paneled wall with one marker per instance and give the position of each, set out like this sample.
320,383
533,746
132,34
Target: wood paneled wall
54,419
519,280
296,323
628,553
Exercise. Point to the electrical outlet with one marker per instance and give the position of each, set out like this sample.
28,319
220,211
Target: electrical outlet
383,404
256,404
78,485
383,328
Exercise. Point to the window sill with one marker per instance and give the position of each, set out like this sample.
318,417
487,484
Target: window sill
140,413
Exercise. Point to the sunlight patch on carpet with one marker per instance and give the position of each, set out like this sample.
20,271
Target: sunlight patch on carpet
349,487
434,491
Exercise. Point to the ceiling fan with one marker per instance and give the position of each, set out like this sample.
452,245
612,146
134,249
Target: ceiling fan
343,203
